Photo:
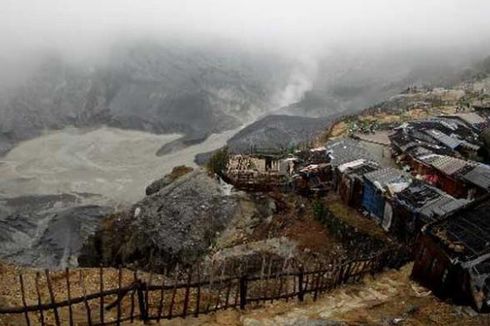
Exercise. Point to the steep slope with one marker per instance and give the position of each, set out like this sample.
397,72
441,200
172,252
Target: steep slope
161,89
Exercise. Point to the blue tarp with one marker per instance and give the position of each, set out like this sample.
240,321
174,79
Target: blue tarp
372,200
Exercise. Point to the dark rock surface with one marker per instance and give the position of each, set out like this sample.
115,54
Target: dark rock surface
176,224
157,185
46,230
274,131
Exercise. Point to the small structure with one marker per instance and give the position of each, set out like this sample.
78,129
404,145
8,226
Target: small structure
312,179
446,135
259,171
345,151
473,120
380,185
453,256
352,182
418,205
479,177
444,172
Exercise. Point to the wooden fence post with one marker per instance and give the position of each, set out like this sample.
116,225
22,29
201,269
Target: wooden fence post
187,292
22,290
38,292
68,289
243,291
53,301
141,301
101,289
119,297
301,294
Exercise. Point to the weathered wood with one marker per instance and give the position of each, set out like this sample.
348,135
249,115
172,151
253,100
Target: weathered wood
281,280
228,291
162,295
317,282
218,299
241,271
301,294
198,294
85,301
262,270
147,292
211,281
119,286
68,292
243,291
141,302
174,292
24,303
187,292
101,289
38,292
53,300
267,278
131,312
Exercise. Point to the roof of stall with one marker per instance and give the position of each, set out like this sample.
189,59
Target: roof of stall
346,150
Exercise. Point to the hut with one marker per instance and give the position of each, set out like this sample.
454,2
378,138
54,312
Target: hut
479,178
444,172
344,151
378,185
453,256
418,205
352,181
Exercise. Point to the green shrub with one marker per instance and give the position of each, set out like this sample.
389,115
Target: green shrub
319,211
219,161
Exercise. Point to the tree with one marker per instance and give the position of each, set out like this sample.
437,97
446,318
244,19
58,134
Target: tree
219,161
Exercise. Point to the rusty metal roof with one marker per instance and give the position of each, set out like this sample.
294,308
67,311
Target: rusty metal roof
479,176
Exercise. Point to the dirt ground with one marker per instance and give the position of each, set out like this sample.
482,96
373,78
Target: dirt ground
390,298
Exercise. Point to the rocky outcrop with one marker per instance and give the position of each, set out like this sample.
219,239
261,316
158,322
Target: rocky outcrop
46,230
157,185
176,224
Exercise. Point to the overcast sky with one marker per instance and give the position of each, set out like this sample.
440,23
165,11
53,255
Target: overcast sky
295,25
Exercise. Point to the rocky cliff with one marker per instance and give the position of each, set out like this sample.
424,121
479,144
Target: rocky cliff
176,224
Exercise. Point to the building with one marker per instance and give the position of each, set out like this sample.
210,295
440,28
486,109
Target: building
446,135
345,151
443,172
473,120
453,256
380,185
352,181
418,205
479,178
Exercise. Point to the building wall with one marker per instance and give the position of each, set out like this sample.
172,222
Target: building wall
372,200
433,269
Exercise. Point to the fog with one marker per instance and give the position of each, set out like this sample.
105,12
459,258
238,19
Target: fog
308,27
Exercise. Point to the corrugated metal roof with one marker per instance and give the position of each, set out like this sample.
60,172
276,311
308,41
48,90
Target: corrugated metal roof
346,150
471,118
479,176
469,228
451,142
442,206
387,176
448,165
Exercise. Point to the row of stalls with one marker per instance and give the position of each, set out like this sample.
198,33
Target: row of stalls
399,203
305,172
442,150
453,256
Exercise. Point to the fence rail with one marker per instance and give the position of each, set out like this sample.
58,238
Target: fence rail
190,292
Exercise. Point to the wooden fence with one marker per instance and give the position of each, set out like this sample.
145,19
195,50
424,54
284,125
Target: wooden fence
189,292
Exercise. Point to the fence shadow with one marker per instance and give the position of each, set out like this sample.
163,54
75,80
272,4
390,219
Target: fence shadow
201,289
